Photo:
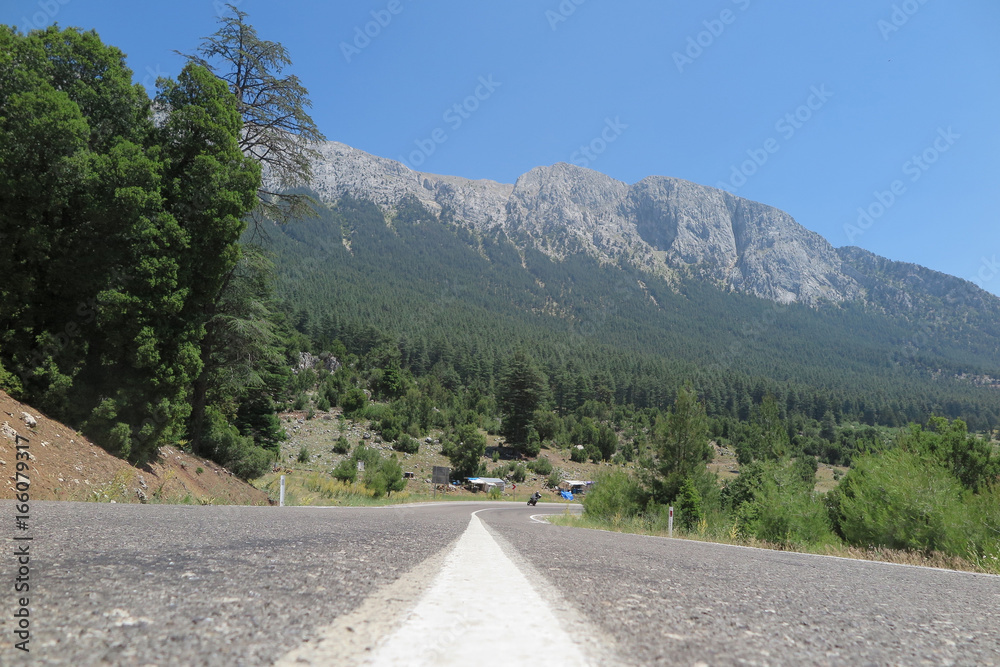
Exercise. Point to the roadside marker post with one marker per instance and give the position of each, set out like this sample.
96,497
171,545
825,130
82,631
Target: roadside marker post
281,497
670,523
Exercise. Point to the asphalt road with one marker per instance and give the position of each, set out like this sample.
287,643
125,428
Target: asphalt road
170,585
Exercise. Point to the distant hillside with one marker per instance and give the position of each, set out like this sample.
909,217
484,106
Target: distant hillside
459,299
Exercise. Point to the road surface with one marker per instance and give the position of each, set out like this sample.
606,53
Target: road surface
454,583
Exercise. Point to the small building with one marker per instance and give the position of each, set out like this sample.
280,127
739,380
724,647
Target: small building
486,484
575,486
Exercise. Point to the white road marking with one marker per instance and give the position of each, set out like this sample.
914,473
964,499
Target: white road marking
468,615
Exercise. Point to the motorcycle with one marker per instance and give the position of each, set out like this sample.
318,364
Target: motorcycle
534,498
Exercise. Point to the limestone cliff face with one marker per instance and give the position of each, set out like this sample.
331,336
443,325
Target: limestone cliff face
344,170
660,224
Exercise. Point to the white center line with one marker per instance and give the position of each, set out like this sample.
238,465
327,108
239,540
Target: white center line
480,607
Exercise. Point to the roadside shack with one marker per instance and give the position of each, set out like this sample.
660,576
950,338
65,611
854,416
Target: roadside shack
575,486
485,484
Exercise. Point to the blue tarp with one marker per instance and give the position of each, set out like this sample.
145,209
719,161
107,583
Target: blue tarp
566,494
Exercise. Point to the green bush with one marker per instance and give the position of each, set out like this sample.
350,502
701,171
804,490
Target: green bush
518,472
346,470
984,538
223,443
341,446
354,401
384,476
614,496
689,505
774,501
542,466
555,477
790,516
900,500
577,455
391,427
406,444
303,454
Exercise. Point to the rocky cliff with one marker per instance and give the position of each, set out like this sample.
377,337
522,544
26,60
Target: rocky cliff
663,225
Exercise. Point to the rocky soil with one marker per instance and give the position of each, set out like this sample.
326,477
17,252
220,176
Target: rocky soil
63,465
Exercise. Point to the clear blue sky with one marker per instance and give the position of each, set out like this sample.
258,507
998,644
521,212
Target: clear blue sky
684,89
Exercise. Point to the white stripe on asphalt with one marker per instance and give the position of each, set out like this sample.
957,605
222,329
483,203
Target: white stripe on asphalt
479,608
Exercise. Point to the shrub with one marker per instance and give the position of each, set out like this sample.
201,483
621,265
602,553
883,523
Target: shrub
390,427
384,476
354,401
303,454
577,455
533,444
346,470
773,501
341,446
614,496
223,443
689,505
901,500
518,472
406,444
555,477
542,466
795,516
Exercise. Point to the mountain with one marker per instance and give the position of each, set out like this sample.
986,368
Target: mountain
636,286
665,226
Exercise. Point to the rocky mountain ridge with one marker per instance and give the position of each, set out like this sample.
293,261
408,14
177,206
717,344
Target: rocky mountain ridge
663,225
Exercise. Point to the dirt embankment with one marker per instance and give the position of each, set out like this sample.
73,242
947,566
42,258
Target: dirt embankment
63,465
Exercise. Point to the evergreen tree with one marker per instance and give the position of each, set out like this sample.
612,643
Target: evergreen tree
119,231
680,443
465,449
522,393
278,132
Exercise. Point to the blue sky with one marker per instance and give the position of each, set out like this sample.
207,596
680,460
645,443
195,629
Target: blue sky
872,122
